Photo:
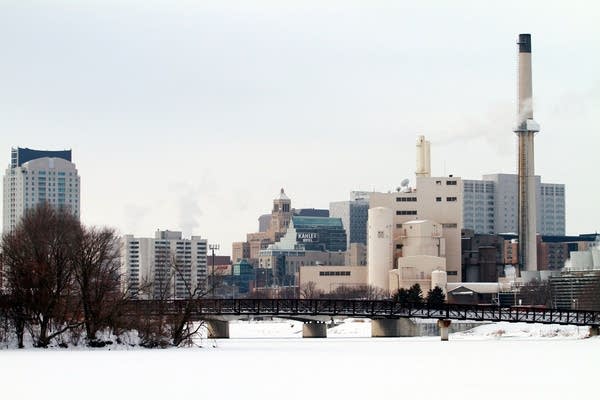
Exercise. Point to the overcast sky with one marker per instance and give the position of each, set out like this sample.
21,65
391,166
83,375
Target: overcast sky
191,115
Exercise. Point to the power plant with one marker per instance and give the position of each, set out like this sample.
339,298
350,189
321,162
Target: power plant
526,129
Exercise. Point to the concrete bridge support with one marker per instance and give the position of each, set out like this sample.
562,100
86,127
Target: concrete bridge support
401,327
217,329
444,324
314,329
594,330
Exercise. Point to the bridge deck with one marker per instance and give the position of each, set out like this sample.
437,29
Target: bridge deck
376,309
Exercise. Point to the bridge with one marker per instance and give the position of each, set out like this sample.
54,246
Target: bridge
389,318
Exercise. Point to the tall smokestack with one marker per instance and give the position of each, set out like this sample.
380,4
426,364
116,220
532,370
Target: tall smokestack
526,130
423,157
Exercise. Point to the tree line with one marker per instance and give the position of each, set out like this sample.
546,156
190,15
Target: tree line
62,282
413,295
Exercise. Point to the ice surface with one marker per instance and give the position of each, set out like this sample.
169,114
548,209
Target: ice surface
270,360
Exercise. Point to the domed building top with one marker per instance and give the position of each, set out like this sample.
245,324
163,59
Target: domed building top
282,195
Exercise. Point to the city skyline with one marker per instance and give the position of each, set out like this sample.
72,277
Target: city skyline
192,116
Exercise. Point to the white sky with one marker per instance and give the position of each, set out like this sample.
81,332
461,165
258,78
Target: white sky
191,115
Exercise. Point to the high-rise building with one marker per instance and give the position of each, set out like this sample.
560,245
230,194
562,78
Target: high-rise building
39,176
354,215
491,205
166,266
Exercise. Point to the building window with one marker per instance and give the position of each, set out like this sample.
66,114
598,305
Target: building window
406,212
450,198
438,199
402,199
334,273
451,183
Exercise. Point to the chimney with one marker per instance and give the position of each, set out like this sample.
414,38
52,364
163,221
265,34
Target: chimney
526,128
423,157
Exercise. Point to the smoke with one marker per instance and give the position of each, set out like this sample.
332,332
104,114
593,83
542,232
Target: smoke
525,110
495,128
134,216
187,205
577,103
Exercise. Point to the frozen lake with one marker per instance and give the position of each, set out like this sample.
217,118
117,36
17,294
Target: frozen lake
495,361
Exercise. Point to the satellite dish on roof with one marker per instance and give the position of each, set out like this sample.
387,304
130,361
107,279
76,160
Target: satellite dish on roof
404,182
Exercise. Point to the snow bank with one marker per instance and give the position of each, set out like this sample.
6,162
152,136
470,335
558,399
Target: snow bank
523,330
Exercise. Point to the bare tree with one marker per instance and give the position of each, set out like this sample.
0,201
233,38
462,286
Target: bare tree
366,292
309,290
176,292
536,292
38,256
97,274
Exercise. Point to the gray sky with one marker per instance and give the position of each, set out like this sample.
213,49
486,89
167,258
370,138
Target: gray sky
191,115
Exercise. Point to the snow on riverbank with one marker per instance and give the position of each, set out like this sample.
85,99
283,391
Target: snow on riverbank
347,328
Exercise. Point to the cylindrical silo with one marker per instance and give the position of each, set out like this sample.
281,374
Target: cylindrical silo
380,244
440,279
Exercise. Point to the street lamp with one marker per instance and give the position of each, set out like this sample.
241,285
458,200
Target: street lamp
212,248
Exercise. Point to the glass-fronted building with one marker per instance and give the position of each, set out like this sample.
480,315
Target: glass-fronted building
314,234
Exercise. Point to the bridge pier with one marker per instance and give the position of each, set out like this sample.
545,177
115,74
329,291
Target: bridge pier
401,327
594,330
443,324
217,329
314,329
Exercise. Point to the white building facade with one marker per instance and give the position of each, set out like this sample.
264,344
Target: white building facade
166,266
35,177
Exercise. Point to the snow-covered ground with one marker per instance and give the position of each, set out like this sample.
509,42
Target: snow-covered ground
270,360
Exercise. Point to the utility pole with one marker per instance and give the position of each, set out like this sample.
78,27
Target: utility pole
212,248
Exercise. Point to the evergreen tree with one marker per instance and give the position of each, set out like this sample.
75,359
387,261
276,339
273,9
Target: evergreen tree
401,296
415,294
436,297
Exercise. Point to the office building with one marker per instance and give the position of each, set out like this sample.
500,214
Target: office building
354,215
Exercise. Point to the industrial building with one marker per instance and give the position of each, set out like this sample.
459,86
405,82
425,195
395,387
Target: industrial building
423,259
39,176
435,199
329,278
413,235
